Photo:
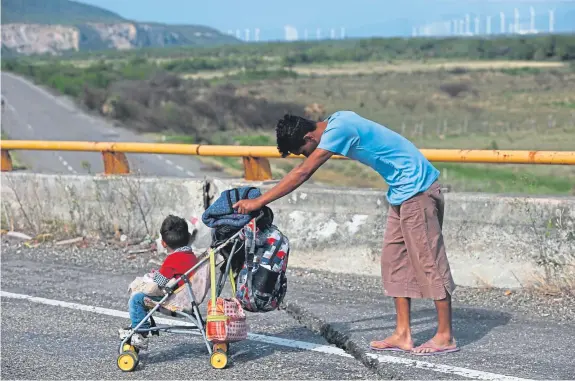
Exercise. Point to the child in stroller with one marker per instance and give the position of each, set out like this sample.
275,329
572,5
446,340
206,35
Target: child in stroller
175,238
257,276
191,278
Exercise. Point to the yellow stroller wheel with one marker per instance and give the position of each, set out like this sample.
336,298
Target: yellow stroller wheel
130,348
219,360
127,361
221,347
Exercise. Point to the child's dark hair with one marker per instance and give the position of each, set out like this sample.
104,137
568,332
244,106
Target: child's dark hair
175,232
290,132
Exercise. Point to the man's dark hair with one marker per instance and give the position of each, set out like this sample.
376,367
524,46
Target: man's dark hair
175,232
290,132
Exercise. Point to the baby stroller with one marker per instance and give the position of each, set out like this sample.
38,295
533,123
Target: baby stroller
226,320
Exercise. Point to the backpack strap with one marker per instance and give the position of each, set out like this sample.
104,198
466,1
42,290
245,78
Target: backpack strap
250,293
230,203
246,192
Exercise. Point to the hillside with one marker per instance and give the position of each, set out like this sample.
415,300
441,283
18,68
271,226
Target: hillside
63,12
58,26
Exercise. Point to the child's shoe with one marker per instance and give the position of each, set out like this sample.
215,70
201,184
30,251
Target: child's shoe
138,340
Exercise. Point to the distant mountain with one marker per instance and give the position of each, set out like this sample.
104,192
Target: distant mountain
64,12
57,26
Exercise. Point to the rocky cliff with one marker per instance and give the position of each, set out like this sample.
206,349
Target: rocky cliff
58,26
55,39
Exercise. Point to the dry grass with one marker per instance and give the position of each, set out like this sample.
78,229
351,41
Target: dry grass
367,68
552,286
526,110
498,110
408,67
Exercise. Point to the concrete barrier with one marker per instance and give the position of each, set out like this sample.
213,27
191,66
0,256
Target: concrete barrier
97,204
492,240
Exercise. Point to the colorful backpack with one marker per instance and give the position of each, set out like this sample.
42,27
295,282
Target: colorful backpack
262,280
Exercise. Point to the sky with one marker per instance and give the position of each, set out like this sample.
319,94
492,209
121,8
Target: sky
360,18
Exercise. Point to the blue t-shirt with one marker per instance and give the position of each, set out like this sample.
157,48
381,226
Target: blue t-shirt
396,159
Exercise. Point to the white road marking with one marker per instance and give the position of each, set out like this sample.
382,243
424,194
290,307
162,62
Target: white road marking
122,314
326,349
30,127
65,164
179,167
441,368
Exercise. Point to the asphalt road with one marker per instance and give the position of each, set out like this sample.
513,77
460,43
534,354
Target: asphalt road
41,341
61,308
518,335
33,113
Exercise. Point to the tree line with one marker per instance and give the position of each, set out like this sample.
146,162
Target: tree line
542,47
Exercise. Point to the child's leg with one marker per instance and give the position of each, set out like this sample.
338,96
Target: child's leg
138,310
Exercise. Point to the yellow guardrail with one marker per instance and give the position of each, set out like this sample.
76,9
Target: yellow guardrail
255,158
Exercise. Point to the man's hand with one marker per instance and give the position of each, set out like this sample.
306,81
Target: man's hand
247,206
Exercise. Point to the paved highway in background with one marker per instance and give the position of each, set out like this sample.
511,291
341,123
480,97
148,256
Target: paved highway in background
32,113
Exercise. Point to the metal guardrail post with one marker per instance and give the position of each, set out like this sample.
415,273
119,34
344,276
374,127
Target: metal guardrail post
6,161
257,169
115,163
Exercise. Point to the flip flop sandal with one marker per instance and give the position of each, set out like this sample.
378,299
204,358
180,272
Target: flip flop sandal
435,349
385,347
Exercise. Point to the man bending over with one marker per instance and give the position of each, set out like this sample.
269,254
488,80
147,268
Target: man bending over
413,262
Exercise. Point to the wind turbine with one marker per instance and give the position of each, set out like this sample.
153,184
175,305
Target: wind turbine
477,26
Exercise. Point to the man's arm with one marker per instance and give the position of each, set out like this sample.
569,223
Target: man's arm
289,183
297,176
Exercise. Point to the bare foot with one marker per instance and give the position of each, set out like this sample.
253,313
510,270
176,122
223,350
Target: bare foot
438,344
395,342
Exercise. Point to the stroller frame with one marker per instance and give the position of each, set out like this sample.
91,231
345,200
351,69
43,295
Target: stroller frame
128,354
